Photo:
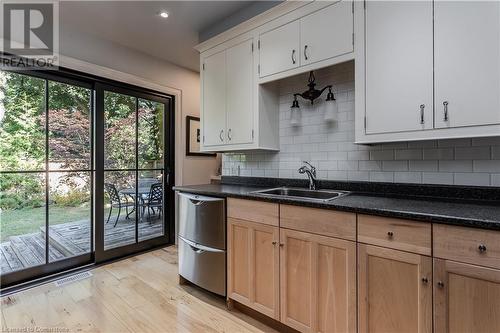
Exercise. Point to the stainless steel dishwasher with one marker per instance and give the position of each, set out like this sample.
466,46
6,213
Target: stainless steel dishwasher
202,241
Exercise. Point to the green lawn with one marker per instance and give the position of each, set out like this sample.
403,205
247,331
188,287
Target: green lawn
25,221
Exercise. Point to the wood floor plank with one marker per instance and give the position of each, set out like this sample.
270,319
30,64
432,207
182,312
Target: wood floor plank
137,294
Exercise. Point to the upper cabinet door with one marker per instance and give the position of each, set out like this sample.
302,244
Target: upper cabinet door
327,33
398,66
214,99
240,97
279,49
467,63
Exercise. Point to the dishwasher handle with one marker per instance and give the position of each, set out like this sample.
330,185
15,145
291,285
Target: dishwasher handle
198,248
198,200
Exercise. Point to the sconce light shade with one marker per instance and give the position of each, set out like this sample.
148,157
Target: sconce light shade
295,113
330,107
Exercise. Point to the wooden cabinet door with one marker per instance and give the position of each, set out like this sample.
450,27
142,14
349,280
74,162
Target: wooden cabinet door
279,49
466,298
214,99
318,282
395,291
240,97
327,33
467,63
253,266
399,73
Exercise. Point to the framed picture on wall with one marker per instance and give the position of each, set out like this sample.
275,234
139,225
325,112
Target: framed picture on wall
193,137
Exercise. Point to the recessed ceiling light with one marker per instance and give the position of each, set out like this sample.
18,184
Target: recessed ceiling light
163,14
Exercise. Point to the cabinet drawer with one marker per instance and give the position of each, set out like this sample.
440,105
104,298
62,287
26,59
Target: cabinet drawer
473,246
319,221
394,233
253,211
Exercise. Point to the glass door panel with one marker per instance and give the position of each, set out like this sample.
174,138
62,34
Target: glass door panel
45,175
134,177
70,171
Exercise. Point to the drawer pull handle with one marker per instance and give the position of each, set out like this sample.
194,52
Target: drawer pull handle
281,244
390,234
274,243
440,284
481,248
425,280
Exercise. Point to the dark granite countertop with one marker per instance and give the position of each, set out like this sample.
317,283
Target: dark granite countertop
456,212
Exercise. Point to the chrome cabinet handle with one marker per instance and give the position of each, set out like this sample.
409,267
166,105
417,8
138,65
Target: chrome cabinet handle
293,57
305,53
445,110
220,135
481,248
422,120
229,135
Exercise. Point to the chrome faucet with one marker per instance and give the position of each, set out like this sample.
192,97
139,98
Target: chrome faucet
311,173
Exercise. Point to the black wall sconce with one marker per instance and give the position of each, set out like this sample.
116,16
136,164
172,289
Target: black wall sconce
330,106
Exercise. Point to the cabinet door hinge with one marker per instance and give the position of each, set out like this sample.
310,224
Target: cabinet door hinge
353,38
258,69
203,139
365,123
252,47
203,66
258,44
252,134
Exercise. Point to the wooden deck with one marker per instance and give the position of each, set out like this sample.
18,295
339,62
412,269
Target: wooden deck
68,240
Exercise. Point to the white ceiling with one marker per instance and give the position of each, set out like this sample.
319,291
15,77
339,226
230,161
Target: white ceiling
136,25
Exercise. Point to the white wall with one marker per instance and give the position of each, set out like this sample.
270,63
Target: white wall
94,50
331,149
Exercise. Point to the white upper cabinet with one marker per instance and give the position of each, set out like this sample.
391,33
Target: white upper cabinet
426,70
240,86
467,63
214,99
398,66
279,49
327,33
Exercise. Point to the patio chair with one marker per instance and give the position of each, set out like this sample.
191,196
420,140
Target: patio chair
153,200
116,202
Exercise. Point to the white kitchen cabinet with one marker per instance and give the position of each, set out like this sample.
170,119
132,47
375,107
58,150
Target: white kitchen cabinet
279,49
467,63
239,93
327,33
236,113
214,99
398,66
441,55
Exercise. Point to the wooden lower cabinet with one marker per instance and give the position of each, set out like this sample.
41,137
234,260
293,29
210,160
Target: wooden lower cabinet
253,265
395,291
318,282
466,298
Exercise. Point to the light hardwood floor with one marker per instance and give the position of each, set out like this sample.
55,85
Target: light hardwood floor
138,294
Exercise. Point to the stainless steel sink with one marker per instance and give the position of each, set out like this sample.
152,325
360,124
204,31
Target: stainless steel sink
300,193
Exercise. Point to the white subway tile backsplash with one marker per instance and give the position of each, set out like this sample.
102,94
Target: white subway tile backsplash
473,153
492,166
455,166
478,179
330,146
438,154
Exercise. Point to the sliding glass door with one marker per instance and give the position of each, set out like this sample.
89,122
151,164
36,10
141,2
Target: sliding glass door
133,187
46,175
86,171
